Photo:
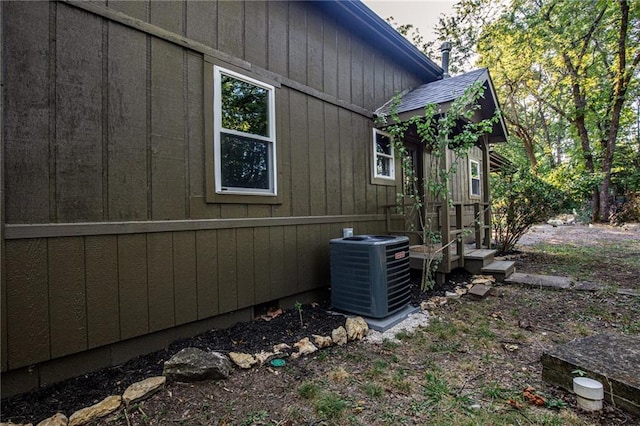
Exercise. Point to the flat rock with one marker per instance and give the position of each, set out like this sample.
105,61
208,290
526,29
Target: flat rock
101,409
192,364
243,360
546,281
57,419
143,389
264,356
613,360
479,290
628,292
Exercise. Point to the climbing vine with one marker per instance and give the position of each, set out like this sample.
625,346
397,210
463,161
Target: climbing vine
440,132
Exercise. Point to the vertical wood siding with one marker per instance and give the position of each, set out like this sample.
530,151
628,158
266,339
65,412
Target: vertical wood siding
108,121
115,116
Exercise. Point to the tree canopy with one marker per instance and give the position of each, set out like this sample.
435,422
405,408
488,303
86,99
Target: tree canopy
567,75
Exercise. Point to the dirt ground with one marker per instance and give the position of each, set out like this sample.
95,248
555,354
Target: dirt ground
469,366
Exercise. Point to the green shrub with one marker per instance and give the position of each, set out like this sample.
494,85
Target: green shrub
520,200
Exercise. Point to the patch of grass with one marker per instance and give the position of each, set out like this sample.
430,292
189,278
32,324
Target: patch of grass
330,406
442,330
308,390
444,347
494,391
577,259
255,417
435,387
390,344
399,381
372,390
378,368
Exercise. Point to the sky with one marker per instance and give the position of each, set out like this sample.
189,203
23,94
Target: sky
422,14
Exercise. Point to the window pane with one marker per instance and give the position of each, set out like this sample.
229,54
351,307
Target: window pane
475,186
383,144
383,166
245,162
475,169
245,107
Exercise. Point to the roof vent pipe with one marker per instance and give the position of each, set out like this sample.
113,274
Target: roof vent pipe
445,48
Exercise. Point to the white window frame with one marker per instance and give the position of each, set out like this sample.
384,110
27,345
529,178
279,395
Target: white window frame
391,158
472,178
217,129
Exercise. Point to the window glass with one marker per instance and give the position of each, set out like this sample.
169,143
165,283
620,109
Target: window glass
383,158
474,174
244,106
244,135
245,162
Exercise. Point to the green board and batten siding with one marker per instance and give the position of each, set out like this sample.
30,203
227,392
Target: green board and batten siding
109,236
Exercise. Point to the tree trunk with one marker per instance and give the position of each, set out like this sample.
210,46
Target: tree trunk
621,84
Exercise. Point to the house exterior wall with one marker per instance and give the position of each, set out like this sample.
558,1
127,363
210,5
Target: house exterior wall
107,233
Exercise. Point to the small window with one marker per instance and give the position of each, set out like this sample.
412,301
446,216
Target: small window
474,178
383,159
244,135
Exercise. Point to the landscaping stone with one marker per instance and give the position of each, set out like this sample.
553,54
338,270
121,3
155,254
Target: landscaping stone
192,364
263,356
322,341
281,347
101,409
57,419
15,424
305,347
479,290
243,360
339,336
143,389
546,281
357,328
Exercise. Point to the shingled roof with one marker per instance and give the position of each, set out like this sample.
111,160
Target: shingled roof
442,92
436,92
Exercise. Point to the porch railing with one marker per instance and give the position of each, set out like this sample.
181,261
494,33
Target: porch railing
451,231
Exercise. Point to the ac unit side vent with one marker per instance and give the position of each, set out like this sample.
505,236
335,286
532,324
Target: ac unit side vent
370,274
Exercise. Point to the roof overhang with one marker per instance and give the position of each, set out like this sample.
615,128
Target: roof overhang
359,18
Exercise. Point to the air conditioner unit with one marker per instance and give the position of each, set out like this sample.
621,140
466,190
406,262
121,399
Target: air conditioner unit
370,274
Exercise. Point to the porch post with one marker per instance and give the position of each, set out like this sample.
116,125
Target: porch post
486,193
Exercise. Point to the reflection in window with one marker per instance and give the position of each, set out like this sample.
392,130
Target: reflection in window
474,176
244,126
383,158
245,106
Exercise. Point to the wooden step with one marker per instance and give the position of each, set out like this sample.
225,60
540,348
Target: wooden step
475,260
501,269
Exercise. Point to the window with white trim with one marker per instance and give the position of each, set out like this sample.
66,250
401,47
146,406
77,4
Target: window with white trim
474,178
383,157
244,134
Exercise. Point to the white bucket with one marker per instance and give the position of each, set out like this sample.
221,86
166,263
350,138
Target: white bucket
347,232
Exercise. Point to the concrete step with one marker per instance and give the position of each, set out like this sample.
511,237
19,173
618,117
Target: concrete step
501,269
477,259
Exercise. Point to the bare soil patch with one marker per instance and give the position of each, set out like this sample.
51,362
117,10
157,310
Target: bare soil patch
469,366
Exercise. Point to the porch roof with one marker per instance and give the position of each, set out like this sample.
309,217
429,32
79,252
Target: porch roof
443,92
